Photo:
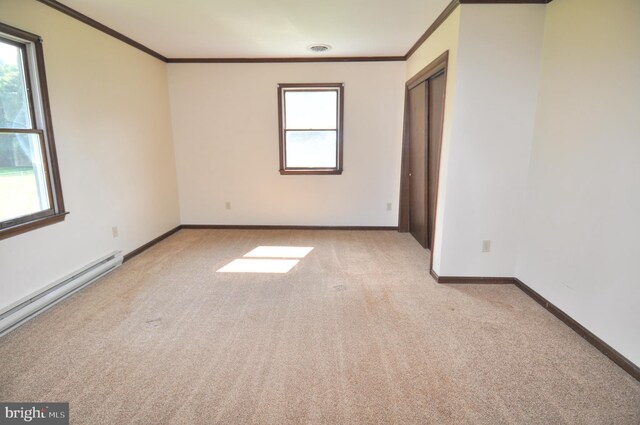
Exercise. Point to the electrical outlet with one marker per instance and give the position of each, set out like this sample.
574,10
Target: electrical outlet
486,246
388,206
114,231
227,205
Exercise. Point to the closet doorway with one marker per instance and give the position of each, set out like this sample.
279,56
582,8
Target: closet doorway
422,145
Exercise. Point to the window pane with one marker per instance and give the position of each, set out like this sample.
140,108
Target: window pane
307,149
308,110
23,187
14,107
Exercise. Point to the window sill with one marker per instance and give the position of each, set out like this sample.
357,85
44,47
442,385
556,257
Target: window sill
32,225
317,171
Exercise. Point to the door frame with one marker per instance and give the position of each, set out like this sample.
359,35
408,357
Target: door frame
437,66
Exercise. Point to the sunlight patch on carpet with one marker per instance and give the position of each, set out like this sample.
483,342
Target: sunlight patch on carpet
279,252
258,266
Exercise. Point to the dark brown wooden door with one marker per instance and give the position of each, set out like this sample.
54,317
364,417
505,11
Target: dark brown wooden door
435,87
426,109
421,150
417,163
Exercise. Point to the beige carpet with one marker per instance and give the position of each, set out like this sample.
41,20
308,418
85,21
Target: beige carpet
356,332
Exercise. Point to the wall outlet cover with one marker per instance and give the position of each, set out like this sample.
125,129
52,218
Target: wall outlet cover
486,246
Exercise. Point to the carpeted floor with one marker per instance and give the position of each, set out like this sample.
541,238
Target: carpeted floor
356,332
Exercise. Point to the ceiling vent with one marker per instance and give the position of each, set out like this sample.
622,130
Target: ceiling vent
319,48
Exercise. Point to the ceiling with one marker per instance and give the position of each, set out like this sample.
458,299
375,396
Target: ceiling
267,28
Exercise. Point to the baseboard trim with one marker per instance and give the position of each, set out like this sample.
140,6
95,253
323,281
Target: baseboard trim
626,364
149,244
474,280
434,275
283,227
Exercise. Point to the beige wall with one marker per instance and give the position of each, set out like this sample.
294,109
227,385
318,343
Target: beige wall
492,85
111,121
225,122
498,69
579,245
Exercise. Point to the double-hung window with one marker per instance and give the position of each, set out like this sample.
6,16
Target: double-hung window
30,192
310,124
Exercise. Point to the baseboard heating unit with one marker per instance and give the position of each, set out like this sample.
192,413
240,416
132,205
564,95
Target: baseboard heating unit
34,304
